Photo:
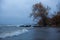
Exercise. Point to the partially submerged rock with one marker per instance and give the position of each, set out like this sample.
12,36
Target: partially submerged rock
0,38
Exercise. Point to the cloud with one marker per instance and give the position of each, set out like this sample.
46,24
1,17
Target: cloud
21,9
14,7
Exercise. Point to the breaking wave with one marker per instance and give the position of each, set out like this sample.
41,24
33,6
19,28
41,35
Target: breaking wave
13,33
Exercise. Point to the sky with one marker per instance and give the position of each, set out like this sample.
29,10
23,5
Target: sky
17,11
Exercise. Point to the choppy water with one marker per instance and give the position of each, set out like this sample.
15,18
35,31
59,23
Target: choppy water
35,33
8,31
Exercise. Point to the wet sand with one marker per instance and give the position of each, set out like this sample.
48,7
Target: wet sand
38,34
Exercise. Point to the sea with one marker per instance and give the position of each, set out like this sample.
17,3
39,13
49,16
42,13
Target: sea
12,30
15,32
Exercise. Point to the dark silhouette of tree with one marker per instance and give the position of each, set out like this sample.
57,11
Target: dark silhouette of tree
57,16
55,20
40,13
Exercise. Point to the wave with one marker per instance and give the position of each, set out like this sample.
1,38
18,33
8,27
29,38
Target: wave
13,33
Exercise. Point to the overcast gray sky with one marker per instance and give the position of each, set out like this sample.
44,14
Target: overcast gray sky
17,11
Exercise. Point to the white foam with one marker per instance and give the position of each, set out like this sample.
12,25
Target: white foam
18,32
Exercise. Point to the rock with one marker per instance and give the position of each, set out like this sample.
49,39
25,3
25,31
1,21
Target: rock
0,38
25,26
58,31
